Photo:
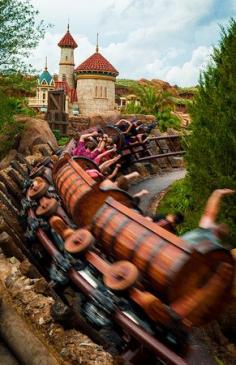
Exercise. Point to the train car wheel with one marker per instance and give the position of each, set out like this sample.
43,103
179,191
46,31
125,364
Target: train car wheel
47,207
79,241
121,275
38,188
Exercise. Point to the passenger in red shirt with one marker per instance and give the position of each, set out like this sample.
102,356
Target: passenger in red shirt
87,146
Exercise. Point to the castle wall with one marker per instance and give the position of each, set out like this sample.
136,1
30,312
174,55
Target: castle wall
67,65
95,95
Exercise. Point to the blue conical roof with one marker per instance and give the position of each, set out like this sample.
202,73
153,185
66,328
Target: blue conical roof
45,76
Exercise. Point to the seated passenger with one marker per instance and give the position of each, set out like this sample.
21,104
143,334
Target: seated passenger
208,228
87,146
104,167
122,182
104,156
168,221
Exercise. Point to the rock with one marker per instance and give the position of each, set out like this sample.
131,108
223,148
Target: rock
104,118
34,159
41,321
44,149
36,131
8,159
82,122
142,169
42,287
27,269
177,162
146,119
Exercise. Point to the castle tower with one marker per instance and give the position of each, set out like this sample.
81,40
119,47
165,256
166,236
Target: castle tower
67,64
96,84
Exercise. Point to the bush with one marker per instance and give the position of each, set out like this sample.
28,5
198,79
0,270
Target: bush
179,199
211,147
63,141
167,120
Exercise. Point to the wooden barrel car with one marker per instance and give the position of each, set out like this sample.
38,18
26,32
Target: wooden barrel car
81,195
193,281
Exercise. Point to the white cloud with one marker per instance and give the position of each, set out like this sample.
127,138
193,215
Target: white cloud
168,39
188,73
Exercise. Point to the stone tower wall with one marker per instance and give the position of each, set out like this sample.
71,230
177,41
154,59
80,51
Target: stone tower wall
95,95
67,65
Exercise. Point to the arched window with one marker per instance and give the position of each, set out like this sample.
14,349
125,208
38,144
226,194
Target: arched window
44,95
105,92
63,77
66,58
96,91
100,91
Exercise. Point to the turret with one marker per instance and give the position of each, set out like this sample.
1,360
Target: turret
67,64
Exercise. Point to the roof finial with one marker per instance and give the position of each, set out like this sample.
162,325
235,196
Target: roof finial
68,25
97,47
46,64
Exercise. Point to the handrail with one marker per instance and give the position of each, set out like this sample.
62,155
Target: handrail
155,157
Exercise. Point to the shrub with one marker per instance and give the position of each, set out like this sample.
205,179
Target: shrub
211,147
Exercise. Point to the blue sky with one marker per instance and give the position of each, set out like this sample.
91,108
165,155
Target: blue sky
163,39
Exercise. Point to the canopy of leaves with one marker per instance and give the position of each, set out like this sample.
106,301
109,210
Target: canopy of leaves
211,147
19,33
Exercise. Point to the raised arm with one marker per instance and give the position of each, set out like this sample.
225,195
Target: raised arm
114,172
212,207
87,135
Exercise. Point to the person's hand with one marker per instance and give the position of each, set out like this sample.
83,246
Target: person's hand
224,191
95,133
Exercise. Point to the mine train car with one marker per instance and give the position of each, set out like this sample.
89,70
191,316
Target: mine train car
133,277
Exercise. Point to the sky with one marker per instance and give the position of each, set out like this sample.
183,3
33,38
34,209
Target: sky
170,40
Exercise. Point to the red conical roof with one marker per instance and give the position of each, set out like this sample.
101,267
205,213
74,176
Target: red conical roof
68,41
97,63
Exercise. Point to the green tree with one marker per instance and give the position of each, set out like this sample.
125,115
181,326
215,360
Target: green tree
211,154
20,32
211,147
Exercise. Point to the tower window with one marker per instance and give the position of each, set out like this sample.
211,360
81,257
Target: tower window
66,58
96,91
100,91
105,92
63,77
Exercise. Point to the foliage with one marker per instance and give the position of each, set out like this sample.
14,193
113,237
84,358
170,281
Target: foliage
179,199
130,84
158,103
19,33
166,119
211,148
62,141
133,108
211,154
8,127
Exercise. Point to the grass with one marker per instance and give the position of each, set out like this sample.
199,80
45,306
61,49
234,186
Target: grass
179,199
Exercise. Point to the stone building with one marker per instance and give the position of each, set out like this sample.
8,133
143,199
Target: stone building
90,88
96,84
